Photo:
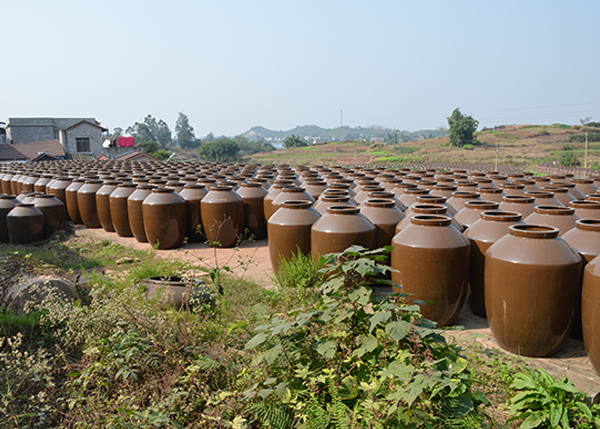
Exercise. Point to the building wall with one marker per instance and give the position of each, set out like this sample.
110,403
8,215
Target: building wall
68,139
27,130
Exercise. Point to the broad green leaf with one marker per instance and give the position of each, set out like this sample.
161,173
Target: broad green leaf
556,412
348,389
327,349
523,381
256,341
585,409
533,421
368,344
457,365
399,370
397,329
377,318
271,354
567,387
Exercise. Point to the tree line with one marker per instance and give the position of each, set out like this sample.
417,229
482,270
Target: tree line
155,136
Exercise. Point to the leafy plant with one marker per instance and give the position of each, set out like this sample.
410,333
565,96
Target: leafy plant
355,361
544,402
568,158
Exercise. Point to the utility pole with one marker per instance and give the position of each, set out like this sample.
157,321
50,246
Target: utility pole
586,148
586,129
496,158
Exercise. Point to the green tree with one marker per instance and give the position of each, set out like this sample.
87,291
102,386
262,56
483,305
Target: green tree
150,146
294,141
568,158
250,147
185,133
163,134
151,130
462,128
222,149
210,137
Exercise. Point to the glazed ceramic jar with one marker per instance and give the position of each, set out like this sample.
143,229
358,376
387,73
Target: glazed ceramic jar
522,205
164,218
532,283
559,217
6,182
512,189
25,224
562,194
491,194
409,196
590,311
427,209
42,182
544,198
340,228
491,226
586,209
432,262
459,199
385,216
585,238
472,210
253,195
135,212
290,194
118,208
272,193
103,204
289,230
86,201
443,190
193,193
585,186
222,212
7,203
71,199
58,188
54,212
329,201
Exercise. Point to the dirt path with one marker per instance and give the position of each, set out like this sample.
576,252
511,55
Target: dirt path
252,260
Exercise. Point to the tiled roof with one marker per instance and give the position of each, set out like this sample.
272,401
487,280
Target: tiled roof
134,155
33,149
9,153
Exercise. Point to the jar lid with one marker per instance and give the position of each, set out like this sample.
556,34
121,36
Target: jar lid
533,231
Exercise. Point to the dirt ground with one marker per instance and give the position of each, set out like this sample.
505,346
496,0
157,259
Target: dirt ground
252,260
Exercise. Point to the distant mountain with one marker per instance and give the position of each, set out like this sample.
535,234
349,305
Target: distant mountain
315,133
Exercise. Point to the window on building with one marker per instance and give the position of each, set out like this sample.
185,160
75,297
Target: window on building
83,144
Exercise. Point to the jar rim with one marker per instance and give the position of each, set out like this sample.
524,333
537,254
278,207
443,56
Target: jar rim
554,210
431,220
296,204
533,231
343,210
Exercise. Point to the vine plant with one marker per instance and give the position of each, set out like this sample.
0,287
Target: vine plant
357,361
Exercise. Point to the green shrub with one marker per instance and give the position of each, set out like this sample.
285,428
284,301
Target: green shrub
592,137
355,361
468,147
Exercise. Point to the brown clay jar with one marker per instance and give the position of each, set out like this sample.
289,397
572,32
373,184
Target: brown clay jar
7,203
532,282
562,194
559,217
544,198
340,228
590,312
385,216
386,195
426,209
6,182
329,201
164,218
460,198
491,194
118,208
512,189
522,205
25,224
71,199
253,195
585,238
272,193
432,262
586,209
222,212
491,226
585,186
443,190
472,210
290,194
192,194
58,188
86,201
54,212
135,212
42,182
103,204
289,230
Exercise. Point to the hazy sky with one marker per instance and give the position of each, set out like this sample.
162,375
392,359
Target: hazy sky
231,65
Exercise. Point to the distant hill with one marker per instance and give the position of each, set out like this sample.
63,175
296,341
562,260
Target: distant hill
316,133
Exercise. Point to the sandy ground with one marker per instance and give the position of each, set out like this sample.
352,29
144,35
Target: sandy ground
252,260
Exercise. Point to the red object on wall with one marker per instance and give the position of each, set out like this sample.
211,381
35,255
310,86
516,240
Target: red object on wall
126,141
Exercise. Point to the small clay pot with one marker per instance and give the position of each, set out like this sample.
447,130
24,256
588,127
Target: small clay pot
25,224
